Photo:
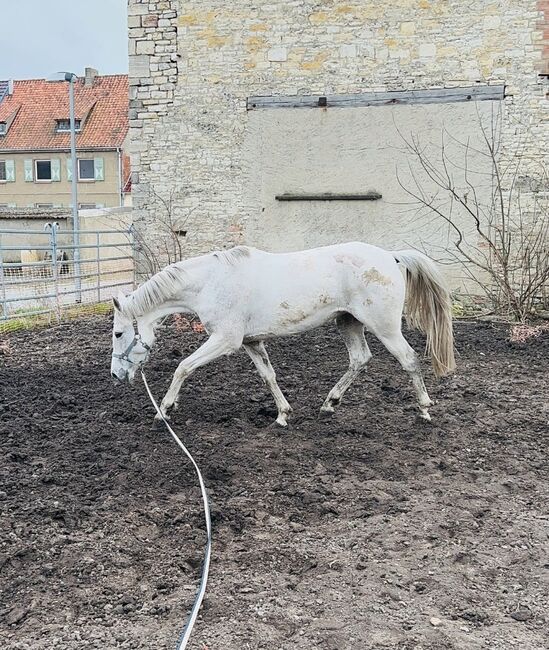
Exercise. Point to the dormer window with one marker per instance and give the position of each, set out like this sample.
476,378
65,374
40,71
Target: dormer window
64,126
3,128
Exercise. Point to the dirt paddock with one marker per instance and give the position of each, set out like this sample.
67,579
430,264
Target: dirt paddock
369,530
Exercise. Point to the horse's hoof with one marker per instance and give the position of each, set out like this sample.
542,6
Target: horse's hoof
280,426
423,417
158,424
327,411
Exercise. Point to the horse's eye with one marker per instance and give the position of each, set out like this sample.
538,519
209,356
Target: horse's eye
118,334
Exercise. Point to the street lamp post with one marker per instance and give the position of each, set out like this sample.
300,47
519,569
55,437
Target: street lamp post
71,78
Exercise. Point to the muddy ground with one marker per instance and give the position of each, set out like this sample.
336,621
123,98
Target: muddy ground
369,530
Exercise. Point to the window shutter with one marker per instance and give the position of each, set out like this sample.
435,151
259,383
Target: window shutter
69,169
98,169
10,171
55,169
28,170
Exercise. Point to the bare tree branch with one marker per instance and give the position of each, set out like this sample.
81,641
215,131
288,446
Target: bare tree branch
513,226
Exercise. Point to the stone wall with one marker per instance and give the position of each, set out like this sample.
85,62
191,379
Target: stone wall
194,63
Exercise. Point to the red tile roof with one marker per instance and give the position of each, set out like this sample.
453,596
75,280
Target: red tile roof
42,102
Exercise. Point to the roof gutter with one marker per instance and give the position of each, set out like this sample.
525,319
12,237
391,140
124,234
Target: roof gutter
51,150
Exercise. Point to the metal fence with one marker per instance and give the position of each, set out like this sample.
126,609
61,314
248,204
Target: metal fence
43,272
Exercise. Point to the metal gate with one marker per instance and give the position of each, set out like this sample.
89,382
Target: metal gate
44,273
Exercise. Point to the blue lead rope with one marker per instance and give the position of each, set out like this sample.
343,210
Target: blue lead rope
187,630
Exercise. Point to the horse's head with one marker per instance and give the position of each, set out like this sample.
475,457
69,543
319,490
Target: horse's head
130,349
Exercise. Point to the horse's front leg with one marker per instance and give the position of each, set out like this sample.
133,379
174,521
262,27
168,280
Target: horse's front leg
216,346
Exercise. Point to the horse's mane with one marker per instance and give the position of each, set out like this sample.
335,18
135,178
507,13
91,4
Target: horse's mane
164,285
233,255
161,288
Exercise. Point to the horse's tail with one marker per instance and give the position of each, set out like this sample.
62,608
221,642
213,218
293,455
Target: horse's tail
429,308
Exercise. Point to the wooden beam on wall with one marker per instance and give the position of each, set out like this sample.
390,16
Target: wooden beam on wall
329,196
430,96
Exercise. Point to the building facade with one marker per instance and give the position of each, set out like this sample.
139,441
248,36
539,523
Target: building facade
237,107
35,162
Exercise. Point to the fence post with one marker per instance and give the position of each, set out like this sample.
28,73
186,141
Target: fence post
98,267
3,283
52,229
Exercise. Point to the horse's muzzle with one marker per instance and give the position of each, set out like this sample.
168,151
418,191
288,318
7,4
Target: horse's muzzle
121,378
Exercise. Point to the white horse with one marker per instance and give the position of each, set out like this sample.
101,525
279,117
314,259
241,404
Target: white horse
244,296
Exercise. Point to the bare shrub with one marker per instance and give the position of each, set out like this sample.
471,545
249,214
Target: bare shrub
166,247
502,243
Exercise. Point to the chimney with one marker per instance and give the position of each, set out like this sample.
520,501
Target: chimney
10,87
90,74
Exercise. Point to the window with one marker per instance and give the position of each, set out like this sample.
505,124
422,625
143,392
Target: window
43,205
64,126
3,128
86,169
7,171
42,170
86,206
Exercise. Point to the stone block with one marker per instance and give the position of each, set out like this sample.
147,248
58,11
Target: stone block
277,54
407,28
382,53
348,51
144,47
491,22
427,50
137,10
151,20
139,65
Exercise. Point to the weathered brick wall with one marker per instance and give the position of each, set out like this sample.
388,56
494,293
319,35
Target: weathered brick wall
193,63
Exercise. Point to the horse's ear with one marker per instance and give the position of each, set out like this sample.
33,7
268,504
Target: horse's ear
118,302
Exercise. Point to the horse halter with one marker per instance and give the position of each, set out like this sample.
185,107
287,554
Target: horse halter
125,356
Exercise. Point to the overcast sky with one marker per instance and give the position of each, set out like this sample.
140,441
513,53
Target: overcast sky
40,37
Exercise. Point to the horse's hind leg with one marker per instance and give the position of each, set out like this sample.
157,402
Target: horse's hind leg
216,346
258,354
352,332
399,347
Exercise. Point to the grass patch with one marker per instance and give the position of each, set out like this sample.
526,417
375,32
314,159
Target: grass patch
27,319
